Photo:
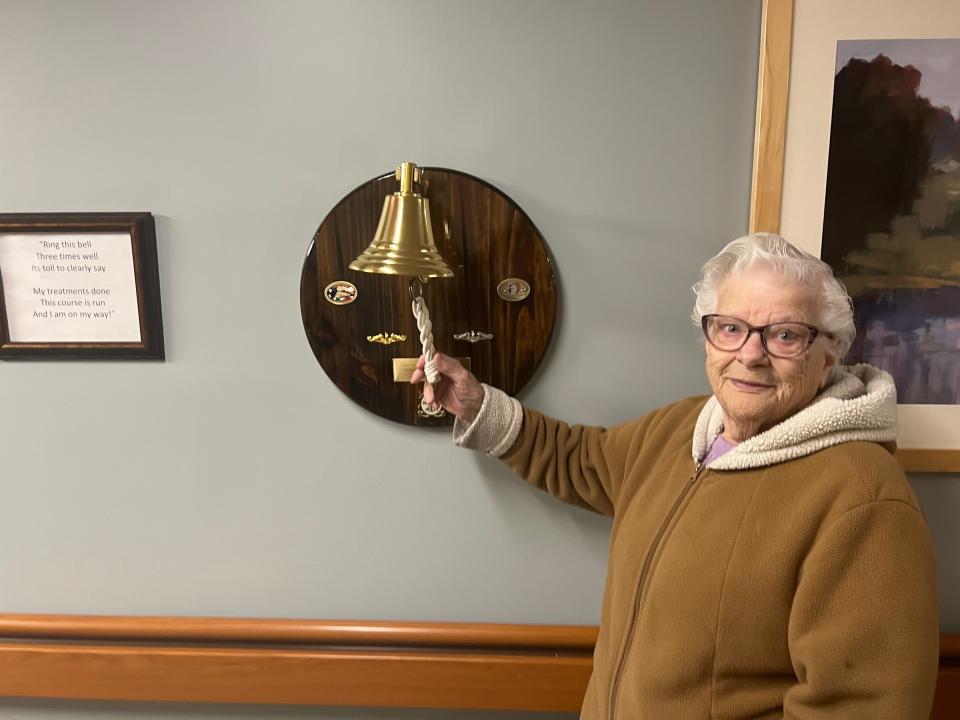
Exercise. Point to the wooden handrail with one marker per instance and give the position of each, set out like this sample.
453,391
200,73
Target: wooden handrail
319,662
247,631
310,662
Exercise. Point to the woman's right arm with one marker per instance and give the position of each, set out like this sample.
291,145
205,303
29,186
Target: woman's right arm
578,464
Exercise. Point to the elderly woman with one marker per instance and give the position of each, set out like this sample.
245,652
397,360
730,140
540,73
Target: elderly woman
768,558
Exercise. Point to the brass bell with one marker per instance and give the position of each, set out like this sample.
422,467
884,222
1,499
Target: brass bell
403,243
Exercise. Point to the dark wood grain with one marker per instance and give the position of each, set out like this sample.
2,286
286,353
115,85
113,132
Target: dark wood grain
485,237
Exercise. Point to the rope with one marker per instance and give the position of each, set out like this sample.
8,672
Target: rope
422,315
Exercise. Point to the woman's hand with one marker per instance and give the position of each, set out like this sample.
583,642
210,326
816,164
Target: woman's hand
458,391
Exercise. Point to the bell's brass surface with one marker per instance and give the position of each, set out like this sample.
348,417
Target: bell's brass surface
403,367
403,243
386,338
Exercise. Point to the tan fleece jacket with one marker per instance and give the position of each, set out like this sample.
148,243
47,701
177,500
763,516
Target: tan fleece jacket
804,588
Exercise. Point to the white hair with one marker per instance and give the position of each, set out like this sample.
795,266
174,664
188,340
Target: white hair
775,253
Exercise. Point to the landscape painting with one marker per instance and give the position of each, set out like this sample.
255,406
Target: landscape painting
891,225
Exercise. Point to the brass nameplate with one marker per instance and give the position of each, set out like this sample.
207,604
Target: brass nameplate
403,367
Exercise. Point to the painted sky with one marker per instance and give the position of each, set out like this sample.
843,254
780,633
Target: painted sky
937,60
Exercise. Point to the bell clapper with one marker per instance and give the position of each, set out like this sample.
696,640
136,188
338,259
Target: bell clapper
422,315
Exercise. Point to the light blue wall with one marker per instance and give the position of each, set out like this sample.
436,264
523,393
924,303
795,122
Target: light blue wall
235,479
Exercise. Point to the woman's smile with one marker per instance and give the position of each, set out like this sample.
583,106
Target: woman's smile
750,385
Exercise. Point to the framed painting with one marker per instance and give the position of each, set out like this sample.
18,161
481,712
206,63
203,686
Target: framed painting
857,159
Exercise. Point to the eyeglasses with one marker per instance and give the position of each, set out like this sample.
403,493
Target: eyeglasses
781,340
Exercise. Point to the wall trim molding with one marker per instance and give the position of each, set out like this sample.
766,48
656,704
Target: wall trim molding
308,662
318,662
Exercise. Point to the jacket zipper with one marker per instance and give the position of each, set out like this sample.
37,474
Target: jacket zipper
615,688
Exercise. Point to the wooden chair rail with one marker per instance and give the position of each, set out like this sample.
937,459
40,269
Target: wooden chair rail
577,638
225,660
311,662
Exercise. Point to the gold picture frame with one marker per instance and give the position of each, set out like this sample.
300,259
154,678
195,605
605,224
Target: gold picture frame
783,39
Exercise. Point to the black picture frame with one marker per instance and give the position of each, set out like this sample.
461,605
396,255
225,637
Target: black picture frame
140,226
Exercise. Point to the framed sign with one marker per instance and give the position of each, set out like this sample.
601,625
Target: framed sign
834,78
79,285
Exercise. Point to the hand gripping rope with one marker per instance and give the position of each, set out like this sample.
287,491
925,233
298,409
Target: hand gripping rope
425,327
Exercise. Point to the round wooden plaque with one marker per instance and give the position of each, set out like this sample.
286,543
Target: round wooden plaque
503,286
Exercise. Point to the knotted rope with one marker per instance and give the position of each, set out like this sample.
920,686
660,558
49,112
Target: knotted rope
422,315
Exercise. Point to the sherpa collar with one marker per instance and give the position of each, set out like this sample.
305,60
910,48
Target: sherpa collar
858,403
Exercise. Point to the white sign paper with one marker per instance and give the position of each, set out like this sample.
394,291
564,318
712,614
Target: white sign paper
69,287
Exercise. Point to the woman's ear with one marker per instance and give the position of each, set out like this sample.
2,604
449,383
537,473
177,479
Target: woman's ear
829,362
